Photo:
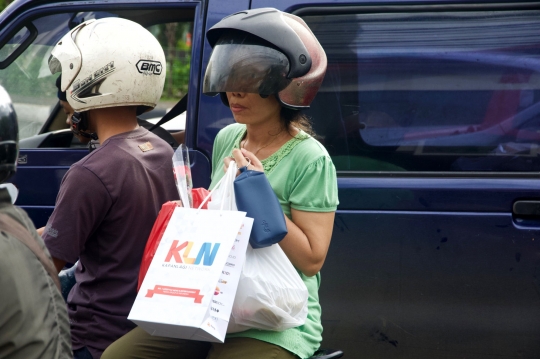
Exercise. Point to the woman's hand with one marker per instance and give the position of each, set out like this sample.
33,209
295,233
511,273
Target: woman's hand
241,158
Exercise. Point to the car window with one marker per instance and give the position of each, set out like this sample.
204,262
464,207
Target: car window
440,91
28,79
31,85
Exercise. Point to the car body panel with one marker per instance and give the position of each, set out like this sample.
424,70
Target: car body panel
429,265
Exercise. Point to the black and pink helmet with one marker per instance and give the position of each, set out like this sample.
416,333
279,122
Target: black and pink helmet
268,52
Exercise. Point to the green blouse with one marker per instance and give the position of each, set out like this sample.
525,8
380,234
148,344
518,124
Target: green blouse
304,178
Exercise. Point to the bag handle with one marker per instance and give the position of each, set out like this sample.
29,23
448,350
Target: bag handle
223,181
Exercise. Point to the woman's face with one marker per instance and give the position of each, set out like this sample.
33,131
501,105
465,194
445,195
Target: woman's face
251,108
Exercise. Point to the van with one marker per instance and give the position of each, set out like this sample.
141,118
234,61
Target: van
430,111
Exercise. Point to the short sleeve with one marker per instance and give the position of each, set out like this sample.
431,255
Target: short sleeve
217,155
81,205
315,187
224,143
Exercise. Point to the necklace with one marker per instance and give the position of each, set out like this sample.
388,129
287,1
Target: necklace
243,143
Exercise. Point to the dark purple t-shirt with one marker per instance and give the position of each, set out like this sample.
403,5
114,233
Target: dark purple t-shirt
105,210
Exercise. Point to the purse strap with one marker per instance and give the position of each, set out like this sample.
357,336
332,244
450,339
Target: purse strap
18,231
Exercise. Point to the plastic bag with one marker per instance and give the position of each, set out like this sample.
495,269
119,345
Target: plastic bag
222,196
182,175
270,295
67,280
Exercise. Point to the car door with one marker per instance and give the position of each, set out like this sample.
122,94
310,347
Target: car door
431,113
30,31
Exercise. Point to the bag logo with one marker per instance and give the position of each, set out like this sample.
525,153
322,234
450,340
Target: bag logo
207,253
149,67
265,226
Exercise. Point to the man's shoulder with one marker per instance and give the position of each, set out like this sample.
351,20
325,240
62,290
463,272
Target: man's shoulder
139,140
122,146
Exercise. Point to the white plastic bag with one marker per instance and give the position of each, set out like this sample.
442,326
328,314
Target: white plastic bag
222,196
270,295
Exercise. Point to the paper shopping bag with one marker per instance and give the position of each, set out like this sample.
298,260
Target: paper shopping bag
198,194
190,285
160,225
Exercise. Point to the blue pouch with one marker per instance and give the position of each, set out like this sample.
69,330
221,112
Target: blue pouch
255,196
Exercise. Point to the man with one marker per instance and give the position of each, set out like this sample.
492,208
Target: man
112,70
33,317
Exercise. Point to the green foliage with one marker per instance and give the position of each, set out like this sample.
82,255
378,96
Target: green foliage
175,38
4,4
179,71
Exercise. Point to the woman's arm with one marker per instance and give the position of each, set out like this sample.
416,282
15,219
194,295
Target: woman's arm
308,239
309,235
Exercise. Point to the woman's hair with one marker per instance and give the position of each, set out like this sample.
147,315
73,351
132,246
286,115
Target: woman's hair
297,119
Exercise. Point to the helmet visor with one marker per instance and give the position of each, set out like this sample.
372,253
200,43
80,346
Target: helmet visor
66,57
245,67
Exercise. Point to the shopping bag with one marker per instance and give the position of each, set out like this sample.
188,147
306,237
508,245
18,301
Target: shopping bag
191,282
158,229
270,295
255,196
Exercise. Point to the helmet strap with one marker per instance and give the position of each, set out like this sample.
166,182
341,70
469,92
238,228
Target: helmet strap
91,146
79,123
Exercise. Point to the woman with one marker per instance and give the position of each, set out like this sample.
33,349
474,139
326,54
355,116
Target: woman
265,82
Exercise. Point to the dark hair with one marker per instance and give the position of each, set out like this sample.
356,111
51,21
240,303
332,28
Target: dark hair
297,119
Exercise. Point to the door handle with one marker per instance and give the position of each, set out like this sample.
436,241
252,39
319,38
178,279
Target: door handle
526,209
526,214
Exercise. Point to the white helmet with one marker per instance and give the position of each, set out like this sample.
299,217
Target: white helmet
110,62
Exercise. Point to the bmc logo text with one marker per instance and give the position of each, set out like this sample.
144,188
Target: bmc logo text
149,67
207,253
